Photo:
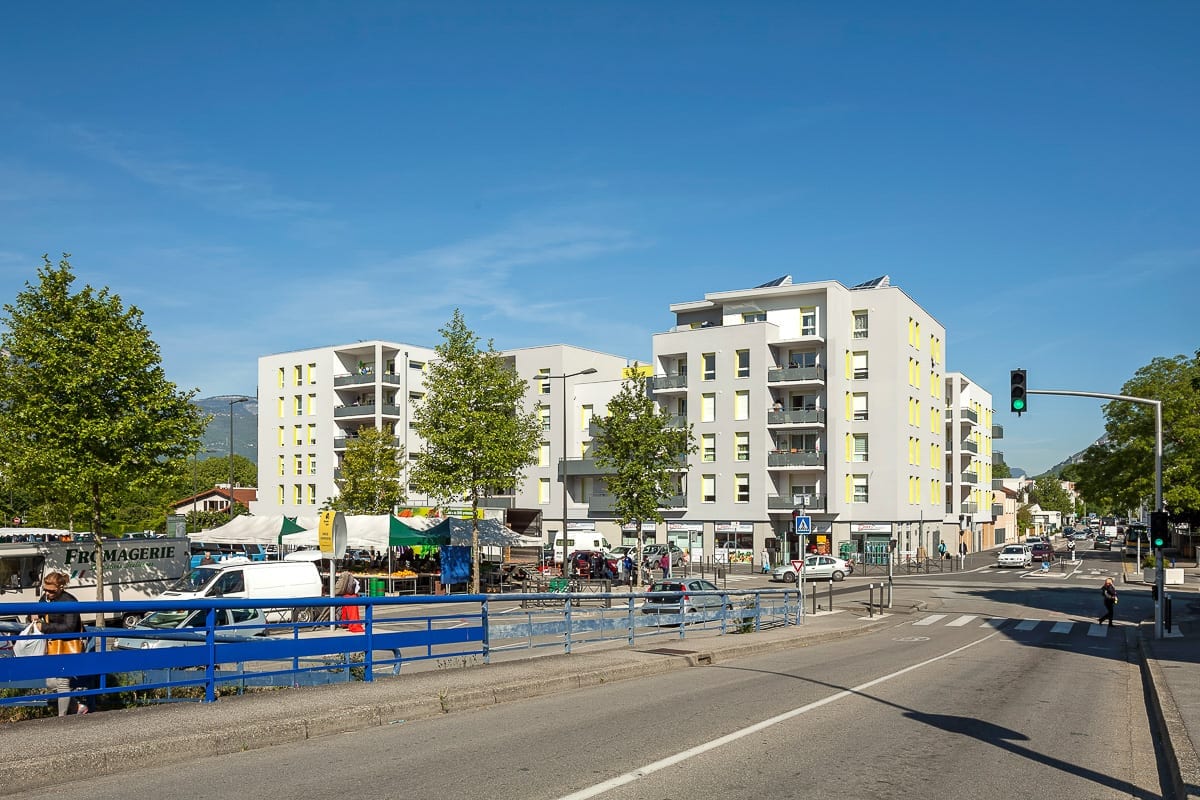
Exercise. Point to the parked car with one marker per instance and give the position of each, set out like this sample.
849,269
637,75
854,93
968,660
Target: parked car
178,628
684,601
1102,542
655,551
1014,555
1041,551
816,567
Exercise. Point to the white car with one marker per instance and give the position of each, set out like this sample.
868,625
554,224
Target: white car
178,628
816,567
1015,555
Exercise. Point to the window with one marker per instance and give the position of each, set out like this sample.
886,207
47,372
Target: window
544,381
859,360
741,404
681,367
312,464
544,416
708,488
297,497
708,366
281,378
279,494
312,433
585,489
741,488
586,412
282,465
298,464
861,493
312,373
298,405
808,322
312,494
741,446
417,365
860,324
860,447
803,358
544,454
282,409
754,316
312,404
708,407
298,434
543,491
298,375
708,447
859,404
741,363
281,439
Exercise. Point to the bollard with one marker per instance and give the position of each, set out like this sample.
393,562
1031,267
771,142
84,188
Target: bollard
1167,612
831,595
870,600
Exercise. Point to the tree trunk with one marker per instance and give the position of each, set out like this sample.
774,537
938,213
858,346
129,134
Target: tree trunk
99,551
475,542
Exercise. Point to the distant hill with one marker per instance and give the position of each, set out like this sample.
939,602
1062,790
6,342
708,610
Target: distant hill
1057,469
216,435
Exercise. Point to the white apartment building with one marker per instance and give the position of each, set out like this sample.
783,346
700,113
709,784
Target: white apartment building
313,402
806,399
970,516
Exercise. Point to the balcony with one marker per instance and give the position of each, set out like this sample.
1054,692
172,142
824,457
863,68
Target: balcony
969,476
968,447
667,383
354,411
797,502
389,410
803,458
799,416
583,466
968,508
601,503
796,375
366,379
340,442
997,431
675,501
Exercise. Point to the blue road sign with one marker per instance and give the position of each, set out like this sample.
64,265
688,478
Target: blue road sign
803,525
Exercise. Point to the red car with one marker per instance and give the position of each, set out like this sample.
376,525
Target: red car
1041,551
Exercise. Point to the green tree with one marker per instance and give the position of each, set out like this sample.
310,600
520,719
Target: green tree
86,408
1001,470
1024,520
644,453
1049,494
1118,471
477,434
371,474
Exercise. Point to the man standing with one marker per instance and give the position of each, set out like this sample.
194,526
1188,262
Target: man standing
962,553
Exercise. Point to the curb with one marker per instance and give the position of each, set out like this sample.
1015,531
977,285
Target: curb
1182,760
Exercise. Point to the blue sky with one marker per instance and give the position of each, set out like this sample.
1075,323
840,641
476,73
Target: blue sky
262,177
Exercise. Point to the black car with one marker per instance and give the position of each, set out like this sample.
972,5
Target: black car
1102,542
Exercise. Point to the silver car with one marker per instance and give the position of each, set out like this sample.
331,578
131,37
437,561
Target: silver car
816,567
176,628
683,599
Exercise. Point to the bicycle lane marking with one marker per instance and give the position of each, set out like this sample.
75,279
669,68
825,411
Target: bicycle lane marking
642,772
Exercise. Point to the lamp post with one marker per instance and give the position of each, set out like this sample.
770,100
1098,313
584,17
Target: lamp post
232,402
589,371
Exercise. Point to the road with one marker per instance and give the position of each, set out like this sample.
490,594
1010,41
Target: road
1003,688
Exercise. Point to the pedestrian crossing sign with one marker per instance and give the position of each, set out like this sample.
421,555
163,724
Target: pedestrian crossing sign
803,525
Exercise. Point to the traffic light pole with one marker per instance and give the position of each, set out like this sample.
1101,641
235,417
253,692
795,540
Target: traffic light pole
1158,498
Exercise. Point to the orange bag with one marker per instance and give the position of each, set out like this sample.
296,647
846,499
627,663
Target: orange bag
62,647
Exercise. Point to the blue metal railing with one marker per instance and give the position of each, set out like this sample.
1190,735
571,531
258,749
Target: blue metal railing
292,653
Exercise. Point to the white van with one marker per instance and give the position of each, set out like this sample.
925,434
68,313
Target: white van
255,580
578,540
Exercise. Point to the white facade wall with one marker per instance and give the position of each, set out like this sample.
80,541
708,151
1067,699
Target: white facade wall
969,416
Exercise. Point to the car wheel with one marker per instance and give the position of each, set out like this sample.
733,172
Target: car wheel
303,615
789,577
130,620
838,575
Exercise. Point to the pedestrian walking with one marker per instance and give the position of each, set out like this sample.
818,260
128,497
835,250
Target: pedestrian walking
54,590
627,566
664,564
766,560
1110,601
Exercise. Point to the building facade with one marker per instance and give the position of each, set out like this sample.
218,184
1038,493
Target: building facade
970,518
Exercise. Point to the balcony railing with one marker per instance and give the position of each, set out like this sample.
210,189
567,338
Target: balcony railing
968,446
799,416
969,508
660,382
583,466
791,374
355,411
969,476
997,431
798,502
802,458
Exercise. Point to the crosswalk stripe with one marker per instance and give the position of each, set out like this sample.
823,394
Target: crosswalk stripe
1027,624
1097,630
993,623
930,619
963,620
1062,627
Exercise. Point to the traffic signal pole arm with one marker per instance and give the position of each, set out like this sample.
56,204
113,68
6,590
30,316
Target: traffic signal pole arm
1158,498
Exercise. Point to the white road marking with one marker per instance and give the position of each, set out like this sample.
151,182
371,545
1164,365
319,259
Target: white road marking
1027,624
932,618
963,620
670,761
1062,627
1095,629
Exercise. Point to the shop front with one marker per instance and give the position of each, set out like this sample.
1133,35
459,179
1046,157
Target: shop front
734,542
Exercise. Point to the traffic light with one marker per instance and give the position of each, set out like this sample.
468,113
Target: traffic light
1158,528
1016,391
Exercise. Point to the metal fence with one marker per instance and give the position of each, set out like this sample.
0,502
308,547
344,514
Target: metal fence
199,663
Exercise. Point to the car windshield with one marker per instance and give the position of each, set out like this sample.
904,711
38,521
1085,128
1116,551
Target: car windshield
167,620
193,581
1014,550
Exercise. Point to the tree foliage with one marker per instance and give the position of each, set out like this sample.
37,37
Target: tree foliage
644,452
1001,470
476,433
86,408
1049,494
1118,472
371,478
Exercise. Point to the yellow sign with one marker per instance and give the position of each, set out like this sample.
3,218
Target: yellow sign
325,532
643,370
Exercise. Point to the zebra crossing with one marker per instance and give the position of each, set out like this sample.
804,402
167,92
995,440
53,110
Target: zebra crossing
983,621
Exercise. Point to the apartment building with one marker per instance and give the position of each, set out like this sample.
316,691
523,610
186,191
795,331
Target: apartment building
312,403
970,515
810,400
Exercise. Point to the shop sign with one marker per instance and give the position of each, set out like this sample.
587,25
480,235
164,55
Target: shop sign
734,527
870,527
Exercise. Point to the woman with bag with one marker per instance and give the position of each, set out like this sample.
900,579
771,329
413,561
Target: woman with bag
54,590
1110,601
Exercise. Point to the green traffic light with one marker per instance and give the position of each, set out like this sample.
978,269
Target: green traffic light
1158,542
1018,404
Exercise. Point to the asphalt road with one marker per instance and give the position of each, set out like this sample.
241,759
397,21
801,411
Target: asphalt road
999,690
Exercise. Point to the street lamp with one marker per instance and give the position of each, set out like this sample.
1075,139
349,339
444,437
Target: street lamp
232,402
589,371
